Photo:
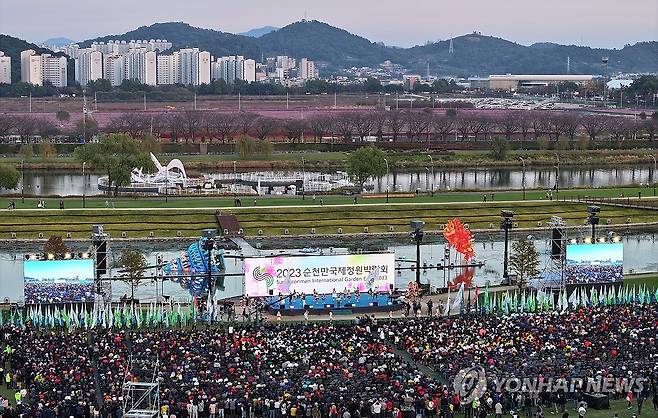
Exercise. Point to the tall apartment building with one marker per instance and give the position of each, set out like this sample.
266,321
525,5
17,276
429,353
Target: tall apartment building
88,66
306,69
140,64
235,67
169,69
113,69
194,66
31,67
54,70
5,68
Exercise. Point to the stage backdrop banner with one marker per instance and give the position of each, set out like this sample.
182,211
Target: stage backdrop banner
324,274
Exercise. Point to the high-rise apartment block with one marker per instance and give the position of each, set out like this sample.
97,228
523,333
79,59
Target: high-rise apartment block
35,69
5,68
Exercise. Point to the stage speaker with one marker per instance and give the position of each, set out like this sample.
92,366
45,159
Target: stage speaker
557,243
375,304
391,286
101,255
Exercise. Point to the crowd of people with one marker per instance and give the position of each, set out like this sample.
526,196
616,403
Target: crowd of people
58,292
588,273
325,369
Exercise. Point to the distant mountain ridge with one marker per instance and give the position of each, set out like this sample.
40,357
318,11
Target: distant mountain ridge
258,32
13,47
335,49
57,42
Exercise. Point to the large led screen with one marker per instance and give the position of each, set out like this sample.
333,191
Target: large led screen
594,263
324,274
59,281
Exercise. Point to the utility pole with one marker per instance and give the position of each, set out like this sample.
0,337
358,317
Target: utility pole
84,185
523,176
145,101
30,102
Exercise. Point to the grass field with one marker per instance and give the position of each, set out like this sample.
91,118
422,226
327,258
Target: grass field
649,279
182,218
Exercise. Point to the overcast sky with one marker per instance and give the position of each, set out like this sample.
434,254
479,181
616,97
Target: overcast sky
599,23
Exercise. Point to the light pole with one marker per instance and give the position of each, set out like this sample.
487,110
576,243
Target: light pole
523,176
593,219
557,175
432,165
386,161
506,225
303,180
235,179
209,245
653,175
417,234
84,185
22,181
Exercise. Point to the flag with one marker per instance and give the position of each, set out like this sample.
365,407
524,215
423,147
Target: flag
476,293
487,302
459,298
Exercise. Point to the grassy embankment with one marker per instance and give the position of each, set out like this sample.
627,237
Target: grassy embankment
315,160
168,221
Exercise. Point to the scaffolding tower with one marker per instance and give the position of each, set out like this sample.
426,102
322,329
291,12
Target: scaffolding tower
553,275
141,399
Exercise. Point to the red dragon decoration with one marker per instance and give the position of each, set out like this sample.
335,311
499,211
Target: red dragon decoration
459,238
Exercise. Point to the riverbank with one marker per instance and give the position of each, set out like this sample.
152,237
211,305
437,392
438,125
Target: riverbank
333,161
304,220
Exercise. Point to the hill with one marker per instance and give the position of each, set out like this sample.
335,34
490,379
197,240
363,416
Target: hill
182,35
334,47
477,54
13,47
258,32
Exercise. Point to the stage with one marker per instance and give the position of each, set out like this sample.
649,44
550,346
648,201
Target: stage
323,304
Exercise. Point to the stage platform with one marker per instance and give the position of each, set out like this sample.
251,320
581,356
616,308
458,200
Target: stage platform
364,303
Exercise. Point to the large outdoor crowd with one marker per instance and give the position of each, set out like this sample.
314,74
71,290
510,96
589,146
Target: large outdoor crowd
329,370
58,292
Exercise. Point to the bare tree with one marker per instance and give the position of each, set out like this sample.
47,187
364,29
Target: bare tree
442,126
487,125
594,125
363,124
537,122
318,125
193,119
294,129
265,126
417,124
570,125
175,122
509,124
463,125
26,126
554,125
395,123
225,125
7,124
379,120
620,128
525,123
46,128
344,126
246,121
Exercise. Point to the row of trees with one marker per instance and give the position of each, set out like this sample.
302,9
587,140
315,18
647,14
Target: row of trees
417,125
393,125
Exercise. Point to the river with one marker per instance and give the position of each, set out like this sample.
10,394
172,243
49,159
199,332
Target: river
66,183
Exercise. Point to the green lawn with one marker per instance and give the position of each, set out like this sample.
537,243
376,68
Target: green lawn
227,201
174,219
649,279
